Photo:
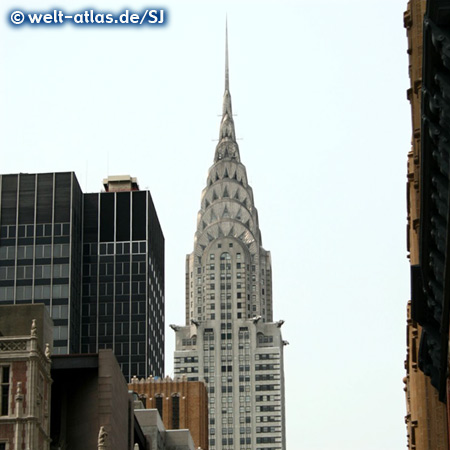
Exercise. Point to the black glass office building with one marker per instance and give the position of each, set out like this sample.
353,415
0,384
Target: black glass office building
123,280
95,260
40,249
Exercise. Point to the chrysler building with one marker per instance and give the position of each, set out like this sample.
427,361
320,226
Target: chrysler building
230,340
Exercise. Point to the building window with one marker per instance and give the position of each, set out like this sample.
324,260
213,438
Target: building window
159,405
175,412
4,377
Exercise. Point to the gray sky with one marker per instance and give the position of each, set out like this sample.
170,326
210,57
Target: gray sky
318,89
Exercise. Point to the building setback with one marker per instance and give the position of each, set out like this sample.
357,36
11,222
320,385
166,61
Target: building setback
95,260
229,340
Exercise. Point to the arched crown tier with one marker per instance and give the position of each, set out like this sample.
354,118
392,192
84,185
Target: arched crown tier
232,191
232,229
227,170
224,210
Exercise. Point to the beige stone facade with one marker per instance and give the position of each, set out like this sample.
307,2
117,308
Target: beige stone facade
90,392
426,417
158,438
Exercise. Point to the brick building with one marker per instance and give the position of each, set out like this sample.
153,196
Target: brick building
25,377
426,382
181,404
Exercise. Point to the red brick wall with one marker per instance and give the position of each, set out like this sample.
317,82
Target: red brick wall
193,405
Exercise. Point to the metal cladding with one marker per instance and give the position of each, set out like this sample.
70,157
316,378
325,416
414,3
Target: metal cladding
229,340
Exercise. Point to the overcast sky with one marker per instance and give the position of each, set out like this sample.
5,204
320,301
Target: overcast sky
319,93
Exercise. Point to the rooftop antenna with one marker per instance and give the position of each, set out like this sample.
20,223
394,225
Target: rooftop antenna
227,75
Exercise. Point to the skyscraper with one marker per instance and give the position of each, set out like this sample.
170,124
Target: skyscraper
229,339
95,260
40,249
123,277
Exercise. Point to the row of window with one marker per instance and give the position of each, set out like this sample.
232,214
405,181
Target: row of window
229,419
268,419
137,287
181,370
120,328
187,359
264,356
107,268
115,248
40,292
242,409
229,441
223,358
120,349
267,398
268,408
40,271
267,377
227,286
230,430
110,308
268,440
267,367
223,276
227,266
267,387
262,339
40,251
42,230
268,429
223,316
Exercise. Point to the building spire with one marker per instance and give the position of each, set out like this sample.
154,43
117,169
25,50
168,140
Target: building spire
227,73
227,147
